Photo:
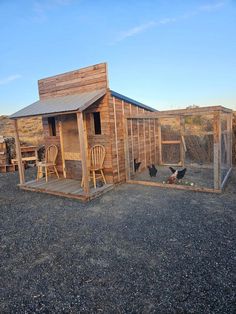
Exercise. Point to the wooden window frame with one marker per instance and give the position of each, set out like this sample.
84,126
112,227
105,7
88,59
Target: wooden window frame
52,126
98,114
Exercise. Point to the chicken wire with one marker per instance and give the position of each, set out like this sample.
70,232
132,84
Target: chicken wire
182,141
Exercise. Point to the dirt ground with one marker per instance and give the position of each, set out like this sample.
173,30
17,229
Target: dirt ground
136,249
199,177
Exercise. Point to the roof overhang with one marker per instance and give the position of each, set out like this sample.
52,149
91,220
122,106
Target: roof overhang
60,105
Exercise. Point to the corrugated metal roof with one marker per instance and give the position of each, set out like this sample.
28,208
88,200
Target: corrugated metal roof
57,105
131,101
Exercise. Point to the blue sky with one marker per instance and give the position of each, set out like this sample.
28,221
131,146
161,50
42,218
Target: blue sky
166,54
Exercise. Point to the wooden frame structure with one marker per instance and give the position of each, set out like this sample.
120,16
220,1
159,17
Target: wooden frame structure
151,148
68,105
79,110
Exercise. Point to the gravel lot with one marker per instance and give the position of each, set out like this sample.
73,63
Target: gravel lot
134,250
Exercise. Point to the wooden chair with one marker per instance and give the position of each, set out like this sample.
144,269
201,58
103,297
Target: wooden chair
97,156
50,162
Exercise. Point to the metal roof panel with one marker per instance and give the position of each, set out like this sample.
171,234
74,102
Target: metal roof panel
78,102
131,101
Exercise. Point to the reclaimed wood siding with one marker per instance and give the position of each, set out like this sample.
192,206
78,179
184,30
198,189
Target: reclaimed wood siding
74,82
105,137
118,109
49,140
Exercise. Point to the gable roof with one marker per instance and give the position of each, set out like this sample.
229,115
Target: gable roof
78,102
131,101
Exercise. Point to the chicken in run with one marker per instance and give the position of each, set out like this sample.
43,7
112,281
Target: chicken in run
176,175
136,164
152,170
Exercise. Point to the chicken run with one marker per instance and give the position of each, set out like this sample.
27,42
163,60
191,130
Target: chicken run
184,149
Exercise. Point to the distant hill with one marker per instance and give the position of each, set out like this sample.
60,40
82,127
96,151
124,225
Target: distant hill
30,129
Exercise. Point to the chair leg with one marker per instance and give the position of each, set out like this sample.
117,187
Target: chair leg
55,169
103,177
37,174
46,173
94,179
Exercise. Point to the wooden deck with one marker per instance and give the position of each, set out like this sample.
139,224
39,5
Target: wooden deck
64,187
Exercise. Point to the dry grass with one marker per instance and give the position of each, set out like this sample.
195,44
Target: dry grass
30,129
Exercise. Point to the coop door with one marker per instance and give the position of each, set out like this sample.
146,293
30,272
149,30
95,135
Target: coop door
71,146
171,145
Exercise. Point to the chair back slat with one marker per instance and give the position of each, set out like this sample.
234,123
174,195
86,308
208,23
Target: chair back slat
51,154
97,154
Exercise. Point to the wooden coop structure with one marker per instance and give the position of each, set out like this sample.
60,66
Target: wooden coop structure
78,112
198,139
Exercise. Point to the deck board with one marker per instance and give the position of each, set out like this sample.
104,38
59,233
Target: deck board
64,187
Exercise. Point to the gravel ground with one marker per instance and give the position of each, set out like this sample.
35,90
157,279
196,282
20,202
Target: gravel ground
134,250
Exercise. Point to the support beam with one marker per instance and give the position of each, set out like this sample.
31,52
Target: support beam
217,150
62,149
138,136
116,137
144,143
182,145
126,150
159,141
155,142
18,155
132,138
229,139
83,153
150,144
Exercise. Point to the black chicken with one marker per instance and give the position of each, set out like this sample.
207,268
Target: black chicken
179,174
136,164
152,170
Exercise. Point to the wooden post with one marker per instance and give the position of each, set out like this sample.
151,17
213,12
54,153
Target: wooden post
83,153
116,137
126,143
150,144
18,154
144,142
182,143
132,140
159,141
62,149
155,142
229,139
138,137
217,150
126,150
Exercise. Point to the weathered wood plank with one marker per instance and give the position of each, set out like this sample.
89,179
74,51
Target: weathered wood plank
174,186
217,150
18,154
83,145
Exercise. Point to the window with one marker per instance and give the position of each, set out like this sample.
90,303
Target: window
97,123
52,126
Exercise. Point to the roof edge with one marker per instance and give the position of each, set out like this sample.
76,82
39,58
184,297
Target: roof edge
132,101
17,115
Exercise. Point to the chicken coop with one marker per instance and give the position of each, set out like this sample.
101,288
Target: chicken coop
194,144
79,112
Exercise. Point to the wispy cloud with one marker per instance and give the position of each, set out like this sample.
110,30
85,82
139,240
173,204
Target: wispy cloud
211,7
10,79
136,30
151,24
41,8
